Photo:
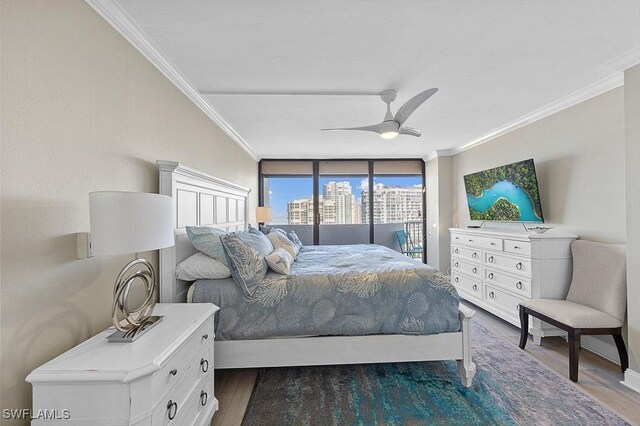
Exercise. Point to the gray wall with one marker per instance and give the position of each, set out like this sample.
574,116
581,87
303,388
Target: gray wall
82,111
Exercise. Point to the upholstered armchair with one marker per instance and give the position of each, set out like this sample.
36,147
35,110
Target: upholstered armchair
596,302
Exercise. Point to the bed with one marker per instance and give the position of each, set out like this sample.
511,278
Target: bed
339,305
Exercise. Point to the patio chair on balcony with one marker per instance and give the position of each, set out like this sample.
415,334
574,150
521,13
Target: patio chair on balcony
407,247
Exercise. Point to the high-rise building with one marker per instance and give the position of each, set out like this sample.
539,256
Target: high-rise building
337,206
393,204
343,200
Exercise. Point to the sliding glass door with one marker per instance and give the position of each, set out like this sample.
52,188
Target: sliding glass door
348,201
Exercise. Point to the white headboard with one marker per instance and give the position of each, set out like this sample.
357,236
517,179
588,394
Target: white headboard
200,200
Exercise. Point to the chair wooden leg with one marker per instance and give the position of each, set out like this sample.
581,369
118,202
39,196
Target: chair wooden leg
574,353
622,352
524,327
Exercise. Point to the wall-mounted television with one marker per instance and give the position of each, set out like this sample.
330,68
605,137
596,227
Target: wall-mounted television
507,193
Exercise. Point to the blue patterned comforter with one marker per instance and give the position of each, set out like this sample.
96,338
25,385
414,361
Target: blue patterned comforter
339,291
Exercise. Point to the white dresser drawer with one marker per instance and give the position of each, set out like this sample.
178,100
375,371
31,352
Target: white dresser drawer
518,285
467,284
517,247
469,268
173,370
484,242
466,252
502,299
199,401
171,407
457,238
516,265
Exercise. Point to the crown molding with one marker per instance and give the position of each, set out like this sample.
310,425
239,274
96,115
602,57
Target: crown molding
625,61
120,20
439,153
575,98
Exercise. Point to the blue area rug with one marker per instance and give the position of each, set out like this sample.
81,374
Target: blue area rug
510,388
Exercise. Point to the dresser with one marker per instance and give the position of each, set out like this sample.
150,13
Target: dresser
163,378
495,270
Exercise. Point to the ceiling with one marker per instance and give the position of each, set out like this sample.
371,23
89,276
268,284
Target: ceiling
266,66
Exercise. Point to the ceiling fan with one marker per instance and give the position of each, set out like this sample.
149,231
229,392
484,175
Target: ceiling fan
392,125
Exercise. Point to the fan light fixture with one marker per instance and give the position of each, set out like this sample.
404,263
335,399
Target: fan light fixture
388,135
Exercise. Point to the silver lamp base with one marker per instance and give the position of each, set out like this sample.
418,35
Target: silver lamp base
132,335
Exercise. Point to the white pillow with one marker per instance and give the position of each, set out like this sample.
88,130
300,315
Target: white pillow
201,267
281,241
279,261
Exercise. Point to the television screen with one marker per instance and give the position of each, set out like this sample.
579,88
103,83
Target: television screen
506,193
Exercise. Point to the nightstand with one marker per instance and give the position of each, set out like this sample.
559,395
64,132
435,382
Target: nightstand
165,377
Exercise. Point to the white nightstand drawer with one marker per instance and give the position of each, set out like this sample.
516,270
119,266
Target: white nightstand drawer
515,284
502,299
519,266
467,284
175,367
198,403
484,242
467,253
469,268
173,404
517,247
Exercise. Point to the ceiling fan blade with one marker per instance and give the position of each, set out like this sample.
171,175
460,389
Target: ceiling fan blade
375,128
412,104
411,131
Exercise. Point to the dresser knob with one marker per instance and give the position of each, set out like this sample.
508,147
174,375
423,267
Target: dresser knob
455,264
519,285
493,244
204,365
470,241
456,251
205,336
456,279
490,259
172,409
519,266
491,276
474,255
204,397
516,247
475,270
491,295
173,372
475,287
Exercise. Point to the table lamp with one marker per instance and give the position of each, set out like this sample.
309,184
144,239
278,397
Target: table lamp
263,215
131,222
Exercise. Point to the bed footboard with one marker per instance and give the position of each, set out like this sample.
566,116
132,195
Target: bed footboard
466,366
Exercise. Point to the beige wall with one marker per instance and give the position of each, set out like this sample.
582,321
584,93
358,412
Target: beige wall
580,156
632,124
439,211
82,111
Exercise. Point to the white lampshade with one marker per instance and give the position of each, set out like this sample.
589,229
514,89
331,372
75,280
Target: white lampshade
263,214
130,222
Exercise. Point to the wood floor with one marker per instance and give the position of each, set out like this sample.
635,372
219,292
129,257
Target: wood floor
598,377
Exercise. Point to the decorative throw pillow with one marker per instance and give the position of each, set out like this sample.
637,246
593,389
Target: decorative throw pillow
294,238
245,253
280,240
265,229
280,261
202,267
207,240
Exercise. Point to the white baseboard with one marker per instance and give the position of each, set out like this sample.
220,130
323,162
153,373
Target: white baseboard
632,380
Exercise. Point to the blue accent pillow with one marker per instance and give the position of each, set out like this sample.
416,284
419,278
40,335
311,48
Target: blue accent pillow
295,239
207,240
246,253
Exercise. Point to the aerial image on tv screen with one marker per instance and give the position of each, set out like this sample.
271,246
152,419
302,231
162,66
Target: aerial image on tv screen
505,193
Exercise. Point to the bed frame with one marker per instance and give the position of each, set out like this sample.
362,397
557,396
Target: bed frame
204,200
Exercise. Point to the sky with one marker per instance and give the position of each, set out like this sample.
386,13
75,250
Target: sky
283,190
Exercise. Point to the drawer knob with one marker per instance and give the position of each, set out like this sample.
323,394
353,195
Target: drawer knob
519,266
456,264
205,336
475,287
456,279
173,372
490,259
475,270
456,251
492,295
470,240
519,285
493,244
516,247
491,276
474,255
204,397
204,365
172,409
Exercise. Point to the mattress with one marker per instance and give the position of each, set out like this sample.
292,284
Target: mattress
350,290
